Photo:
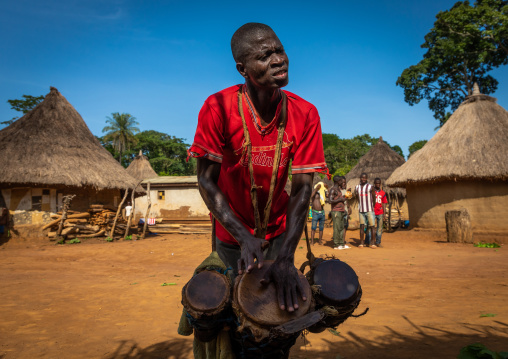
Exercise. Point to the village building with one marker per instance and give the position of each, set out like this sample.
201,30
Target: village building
49,153
174,198
380,161
463,166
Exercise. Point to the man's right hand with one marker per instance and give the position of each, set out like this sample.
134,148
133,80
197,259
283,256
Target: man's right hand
250,249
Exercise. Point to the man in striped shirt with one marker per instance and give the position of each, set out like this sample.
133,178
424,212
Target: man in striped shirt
366,199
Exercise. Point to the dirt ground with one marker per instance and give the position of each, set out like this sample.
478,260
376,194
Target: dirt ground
106,300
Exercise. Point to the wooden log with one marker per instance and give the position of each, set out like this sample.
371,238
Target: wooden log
92,235
458,226
66,231
93,229
71,216
118,212
76,220
147,210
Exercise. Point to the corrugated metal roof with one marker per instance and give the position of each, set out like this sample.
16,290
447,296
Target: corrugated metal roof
161,180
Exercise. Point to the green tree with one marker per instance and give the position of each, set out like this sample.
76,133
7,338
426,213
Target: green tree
24,106
344,154
167,154
465,44
416,146
330,139
120,132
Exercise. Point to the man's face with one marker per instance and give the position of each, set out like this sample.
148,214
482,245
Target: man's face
377,184
266,63
363,179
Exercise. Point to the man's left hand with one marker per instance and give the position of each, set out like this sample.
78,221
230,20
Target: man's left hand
285,276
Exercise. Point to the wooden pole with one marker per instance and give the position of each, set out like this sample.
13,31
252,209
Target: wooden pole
149,204
66,204
112,233
129,220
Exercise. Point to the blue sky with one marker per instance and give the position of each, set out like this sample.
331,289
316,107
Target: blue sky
159,60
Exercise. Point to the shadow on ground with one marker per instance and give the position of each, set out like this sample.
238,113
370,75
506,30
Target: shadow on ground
422,342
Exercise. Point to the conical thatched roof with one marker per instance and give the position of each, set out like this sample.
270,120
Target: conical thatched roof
472,144
51,145
380,161
140,168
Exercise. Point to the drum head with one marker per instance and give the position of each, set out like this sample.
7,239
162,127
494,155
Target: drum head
260,304
207,291
338,282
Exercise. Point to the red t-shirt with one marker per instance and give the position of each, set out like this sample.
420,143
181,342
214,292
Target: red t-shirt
219,137
380,198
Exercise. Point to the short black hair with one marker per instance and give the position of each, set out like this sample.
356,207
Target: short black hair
377,179
364,173
241,38
337,178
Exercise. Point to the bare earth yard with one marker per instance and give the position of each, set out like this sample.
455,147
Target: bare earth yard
106,300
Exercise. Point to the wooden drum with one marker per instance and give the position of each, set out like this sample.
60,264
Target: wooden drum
257,310
206,298
337,292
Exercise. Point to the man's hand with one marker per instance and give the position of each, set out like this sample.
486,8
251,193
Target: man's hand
287,283
251,248
318,186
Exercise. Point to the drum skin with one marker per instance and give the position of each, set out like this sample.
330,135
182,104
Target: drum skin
259,302
339,292
339,285
206,292
257,309
206,298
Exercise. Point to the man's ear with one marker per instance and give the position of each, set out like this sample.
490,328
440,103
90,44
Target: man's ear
241,69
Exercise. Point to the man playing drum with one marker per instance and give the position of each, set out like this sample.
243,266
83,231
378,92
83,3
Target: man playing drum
245,139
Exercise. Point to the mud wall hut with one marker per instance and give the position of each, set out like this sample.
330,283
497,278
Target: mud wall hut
173,198
49,153
463,166
380,161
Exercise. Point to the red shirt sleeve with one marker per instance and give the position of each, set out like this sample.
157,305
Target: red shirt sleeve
209,138
309,156
384,200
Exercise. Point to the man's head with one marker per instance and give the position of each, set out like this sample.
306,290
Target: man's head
259,55
337,179
377,183
363,178
342,183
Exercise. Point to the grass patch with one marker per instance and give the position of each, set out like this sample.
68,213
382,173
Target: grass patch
166,284
334,332
487,315
487,245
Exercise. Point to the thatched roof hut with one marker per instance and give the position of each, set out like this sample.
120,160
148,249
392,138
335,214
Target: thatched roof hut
50,152
380,161
52,145
463,165
140,168
470,145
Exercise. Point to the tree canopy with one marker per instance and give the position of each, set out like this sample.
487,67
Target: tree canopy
465,44
120,132
342,155
416,146
167,154
24,105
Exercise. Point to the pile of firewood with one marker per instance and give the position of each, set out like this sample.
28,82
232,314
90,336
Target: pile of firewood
97,222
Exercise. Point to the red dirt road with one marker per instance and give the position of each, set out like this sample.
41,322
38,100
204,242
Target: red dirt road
106,300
